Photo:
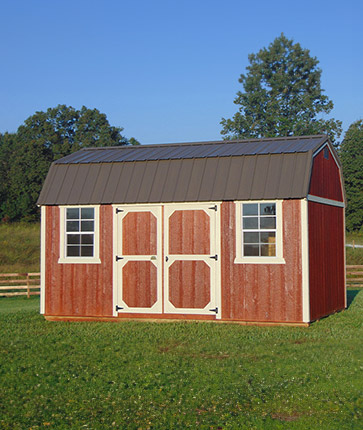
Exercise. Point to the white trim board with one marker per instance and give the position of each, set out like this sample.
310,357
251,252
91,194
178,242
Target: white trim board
62,232
43,212
325,201
240,259
305,261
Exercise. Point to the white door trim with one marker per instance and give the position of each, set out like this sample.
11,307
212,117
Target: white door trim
214,265
118,265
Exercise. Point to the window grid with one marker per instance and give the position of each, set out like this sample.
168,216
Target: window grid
259,229
80,232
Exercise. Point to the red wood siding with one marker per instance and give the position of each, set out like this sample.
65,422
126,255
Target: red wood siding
189,284
139,225
139,280
325,178
189,232
326,255
262,292
78,289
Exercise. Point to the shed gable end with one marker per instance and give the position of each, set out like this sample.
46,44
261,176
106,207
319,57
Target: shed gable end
325,179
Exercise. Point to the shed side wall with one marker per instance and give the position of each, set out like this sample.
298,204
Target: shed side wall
262,292
78,289
325,178
326,259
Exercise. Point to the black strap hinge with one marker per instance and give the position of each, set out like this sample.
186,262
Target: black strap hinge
215,257
214,310
119,258
214,208
118,308
118,210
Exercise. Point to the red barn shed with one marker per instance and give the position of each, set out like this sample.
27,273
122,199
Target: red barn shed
249,231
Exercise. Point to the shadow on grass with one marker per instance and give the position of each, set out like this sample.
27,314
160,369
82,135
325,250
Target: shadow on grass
351,294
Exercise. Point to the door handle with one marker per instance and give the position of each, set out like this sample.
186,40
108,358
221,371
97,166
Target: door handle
166,258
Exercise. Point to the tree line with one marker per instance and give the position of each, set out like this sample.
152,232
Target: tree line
281,96
25,156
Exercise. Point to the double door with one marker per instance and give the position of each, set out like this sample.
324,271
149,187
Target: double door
167,259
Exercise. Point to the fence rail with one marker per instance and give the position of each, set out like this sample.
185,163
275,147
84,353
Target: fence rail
19,284
354,276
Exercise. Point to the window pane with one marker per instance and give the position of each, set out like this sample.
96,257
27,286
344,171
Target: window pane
72,225
250,237
87,239
250,223
267,209
73,251
250,250
267,222
268,237
73,239
87,226
250,209
268,250
87,251
87,213
72,213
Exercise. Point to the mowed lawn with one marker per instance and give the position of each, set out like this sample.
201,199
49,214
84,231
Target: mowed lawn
145,375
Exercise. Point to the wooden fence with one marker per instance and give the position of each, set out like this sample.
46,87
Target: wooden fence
354,276
19,284
28,284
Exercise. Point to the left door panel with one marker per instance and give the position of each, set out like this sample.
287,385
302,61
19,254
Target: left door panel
138,259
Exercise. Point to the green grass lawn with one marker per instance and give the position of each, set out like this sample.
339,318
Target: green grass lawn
142,375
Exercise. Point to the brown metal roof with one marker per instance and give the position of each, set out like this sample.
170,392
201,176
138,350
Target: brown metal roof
210,171
178,151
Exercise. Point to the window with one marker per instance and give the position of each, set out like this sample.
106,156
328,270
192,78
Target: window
259,229
79,235
259,232
80,232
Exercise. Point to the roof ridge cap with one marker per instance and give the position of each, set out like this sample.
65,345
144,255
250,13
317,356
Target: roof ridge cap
211,142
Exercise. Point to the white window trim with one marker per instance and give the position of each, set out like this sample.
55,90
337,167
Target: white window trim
240,259
62,234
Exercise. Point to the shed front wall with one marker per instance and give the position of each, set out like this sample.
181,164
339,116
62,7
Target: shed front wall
263,292
78,289
250,292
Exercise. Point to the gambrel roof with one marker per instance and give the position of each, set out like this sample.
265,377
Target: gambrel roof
271,168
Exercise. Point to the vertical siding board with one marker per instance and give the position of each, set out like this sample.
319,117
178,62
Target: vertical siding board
78,289
258,292
326,259
325,178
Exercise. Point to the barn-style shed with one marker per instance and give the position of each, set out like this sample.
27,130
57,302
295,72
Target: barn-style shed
249,231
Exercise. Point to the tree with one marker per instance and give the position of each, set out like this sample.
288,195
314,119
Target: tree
7,144
43,138
282,96
351,155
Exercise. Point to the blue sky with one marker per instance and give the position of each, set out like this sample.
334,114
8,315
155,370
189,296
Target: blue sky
166,71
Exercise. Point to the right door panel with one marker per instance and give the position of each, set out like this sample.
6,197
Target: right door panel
190,259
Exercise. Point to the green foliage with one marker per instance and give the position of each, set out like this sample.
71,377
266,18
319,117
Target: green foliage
282,96
25,157
142,375
351,155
